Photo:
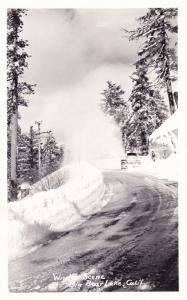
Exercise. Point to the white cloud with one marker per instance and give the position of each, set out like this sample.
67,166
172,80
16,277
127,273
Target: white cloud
74,53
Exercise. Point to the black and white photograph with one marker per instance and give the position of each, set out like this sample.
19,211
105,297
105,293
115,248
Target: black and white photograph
92,149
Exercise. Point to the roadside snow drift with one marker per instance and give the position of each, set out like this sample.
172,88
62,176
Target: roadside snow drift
32,219
162,168
163,141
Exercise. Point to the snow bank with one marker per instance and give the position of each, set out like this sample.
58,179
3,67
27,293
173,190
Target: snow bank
163,168
163,143
51,181
164,140
169,125
32,219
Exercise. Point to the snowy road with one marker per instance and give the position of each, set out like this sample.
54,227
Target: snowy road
133,238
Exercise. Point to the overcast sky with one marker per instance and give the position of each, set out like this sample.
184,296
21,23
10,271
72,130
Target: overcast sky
74,53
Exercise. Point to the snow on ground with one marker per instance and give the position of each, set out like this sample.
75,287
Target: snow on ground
162,168
163,141
110,163
170,124
33,218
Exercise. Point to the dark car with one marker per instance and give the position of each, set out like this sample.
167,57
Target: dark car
132,160
132,154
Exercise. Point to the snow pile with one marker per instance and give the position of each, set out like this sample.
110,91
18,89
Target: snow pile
163,141
169,125
51,181
163,168
32,219
163,144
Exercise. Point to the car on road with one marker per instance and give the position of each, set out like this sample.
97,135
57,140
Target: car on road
132,160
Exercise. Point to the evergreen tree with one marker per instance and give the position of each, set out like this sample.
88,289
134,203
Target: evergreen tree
155,31
113,103
148,109
17,89
27,161
23,159
51,155
33,155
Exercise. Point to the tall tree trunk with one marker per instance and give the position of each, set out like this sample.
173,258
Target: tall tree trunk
124,139
144,141
175,94
31,147
13,157
172,103
14,124
31,160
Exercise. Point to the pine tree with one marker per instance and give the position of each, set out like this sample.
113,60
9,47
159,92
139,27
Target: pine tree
23,159
27,160
17,89
113,102
155,31
33,155
51,155
148,109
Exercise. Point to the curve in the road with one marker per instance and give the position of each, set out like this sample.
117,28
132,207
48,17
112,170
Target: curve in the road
134,237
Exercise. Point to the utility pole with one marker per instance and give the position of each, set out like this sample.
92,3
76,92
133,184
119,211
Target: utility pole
39,133
31,154
39,148
31,147
14,123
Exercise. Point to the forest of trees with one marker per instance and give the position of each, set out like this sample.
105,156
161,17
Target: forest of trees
30,156
155,71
